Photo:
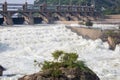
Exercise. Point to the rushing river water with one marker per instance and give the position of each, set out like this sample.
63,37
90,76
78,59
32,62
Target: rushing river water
20,46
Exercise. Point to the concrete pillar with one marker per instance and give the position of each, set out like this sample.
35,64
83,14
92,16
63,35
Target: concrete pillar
74,17
26,20
1,70
41,8
47,18
4,6
69,8
61,17
29,19
7,20
78,9
25,6
111,43
57,8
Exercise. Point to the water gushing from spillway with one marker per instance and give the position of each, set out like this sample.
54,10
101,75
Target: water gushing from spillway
20,46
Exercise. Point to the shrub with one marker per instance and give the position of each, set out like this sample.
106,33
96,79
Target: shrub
57,54
88,23
110,33
66,60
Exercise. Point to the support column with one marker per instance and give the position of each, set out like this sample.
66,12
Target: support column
60,16
4,6
50,17
6,16
25,6
44,17
74,17
7,20
29,19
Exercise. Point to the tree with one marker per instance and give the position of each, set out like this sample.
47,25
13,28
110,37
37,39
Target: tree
109,6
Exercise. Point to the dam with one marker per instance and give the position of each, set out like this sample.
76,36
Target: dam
37,13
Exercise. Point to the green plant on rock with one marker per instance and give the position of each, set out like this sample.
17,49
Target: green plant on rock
57,54
113,35
88,23
110,33
69,59
64,60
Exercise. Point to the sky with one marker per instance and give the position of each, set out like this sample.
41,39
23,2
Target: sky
17,1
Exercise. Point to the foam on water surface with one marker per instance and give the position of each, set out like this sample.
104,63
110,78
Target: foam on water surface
21,45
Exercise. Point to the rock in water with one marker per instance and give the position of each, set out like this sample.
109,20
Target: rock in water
68,74
111,43
68,68
1,70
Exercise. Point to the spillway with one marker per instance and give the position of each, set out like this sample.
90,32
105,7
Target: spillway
21,45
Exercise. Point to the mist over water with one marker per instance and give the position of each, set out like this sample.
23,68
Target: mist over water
21,45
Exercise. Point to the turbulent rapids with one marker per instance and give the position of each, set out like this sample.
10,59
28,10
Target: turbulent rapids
21,45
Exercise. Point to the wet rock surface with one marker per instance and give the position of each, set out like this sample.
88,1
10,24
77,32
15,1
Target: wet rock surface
67,74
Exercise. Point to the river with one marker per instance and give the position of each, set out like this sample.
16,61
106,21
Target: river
21,45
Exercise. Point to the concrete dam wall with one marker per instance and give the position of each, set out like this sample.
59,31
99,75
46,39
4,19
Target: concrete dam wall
111,36
21,20
87,33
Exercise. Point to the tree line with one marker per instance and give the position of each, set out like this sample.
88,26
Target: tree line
106,6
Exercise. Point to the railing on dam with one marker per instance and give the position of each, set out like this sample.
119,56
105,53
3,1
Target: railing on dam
44,8
13,7
48,13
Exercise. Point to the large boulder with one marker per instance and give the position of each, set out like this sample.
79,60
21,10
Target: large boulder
111,43
67,68
67,74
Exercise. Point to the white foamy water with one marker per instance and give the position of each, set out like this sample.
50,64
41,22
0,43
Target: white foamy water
20,46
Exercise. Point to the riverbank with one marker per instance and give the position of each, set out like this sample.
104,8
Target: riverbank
111,36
